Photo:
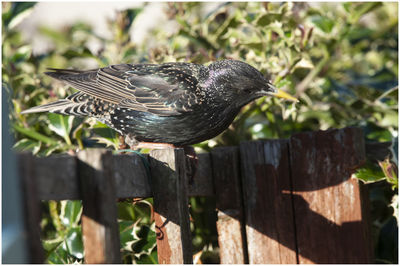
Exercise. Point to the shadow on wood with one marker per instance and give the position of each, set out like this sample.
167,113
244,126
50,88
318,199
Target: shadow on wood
279,201
99,216
169,174
312,213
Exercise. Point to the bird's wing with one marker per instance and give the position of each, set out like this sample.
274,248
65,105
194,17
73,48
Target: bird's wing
166,89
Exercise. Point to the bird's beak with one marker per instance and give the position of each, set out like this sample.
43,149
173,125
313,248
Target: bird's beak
273,91
281,94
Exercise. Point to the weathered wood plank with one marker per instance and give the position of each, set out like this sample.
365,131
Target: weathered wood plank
132,174
228,193
99,217
330,223
31,207
202,183
171,210
57,177
129,170
268,202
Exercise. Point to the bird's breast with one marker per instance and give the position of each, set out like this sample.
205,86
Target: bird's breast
187,128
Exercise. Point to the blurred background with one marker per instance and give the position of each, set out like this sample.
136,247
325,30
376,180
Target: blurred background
339,59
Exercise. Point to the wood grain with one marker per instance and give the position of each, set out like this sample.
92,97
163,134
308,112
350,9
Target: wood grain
99,217
228,194
268,202
31,204
130,172
171,208
330,221
202,182
57,177
132,175
278,201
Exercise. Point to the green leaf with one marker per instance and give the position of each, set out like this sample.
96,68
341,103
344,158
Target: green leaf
61,125
33,134
27,145
361,9
390,171
47,151
347,6
78,52
17,13
276,27
127,231
73,242
148,259
147,242
369,175
268,18
22,54
59,38
256,46
51,244
126,211
71,211
58,255
284,82
323,23
106,135
390,118
77,135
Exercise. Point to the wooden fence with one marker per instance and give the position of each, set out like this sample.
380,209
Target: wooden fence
278,201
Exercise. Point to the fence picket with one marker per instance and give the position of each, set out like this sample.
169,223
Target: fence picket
330,220
32,207
279,201
99,216
230,224
268,202
171,213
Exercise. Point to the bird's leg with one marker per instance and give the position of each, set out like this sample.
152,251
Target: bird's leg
135,145
191,156
131,141
122,143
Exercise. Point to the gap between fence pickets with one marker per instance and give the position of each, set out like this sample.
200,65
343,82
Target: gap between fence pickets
292,202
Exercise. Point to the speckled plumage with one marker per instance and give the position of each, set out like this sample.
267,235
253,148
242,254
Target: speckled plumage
176,103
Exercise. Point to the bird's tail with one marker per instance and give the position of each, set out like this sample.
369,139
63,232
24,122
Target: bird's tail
64,106
60,107
66,74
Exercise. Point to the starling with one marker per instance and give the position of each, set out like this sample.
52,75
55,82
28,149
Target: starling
172,103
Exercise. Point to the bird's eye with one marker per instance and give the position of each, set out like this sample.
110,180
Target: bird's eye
247,90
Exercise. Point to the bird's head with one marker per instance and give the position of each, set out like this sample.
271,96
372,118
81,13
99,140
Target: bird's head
243,83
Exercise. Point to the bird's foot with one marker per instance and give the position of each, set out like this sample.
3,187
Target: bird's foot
122,143
192,159
191,156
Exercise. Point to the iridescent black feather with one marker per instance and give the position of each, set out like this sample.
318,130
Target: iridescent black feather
176,103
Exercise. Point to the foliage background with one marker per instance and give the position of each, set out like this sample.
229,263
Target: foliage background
339,59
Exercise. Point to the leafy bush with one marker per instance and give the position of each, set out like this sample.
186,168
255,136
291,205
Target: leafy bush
339,59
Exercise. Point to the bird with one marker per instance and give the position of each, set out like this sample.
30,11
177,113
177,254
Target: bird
175,103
